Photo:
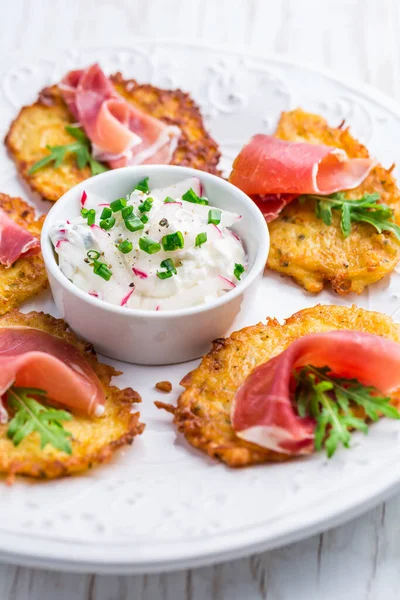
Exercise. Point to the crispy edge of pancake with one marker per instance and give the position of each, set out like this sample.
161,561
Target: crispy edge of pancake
312,253
94,439
203,410
43,123
27,276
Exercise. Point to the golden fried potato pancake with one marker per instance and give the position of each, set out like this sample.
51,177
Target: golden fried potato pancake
27,276
203,411
313,253
94,439
43,123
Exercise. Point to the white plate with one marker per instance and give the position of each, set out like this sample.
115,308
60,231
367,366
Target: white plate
160,505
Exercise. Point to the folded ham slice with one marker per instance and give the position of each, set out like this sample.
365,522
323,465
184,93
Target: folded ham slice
15,241
33,358
268,165
263,412
120,133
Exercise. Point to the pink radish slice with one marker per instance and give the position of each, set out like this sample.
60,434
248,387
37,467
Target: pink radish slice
139,273
126,298
83,198
227,282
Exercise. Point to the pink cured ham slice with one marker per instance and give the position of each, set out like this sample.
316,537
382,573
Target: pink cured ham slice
120,133
268,165
271,205
15,241
33,358
263,412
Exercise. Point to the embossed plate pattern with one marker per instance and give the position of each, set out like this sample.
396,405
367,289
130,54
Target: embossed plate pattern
160,505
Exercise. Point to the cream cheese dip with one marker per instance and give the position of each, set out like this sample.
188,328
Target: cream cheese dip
160,249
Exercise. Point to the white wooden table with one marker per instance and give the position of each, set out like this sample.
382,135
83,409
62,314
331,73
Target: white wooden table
357,38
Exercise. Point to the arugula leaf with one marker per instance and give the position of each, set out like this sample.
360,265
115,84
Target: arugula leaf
331,400
366,209
30,415
81,149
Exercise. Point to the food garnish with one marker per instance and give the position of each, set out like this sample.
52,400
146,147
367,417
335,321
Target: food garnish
80,148
31,415
331,400
173,241
366,209
238,271
148,245
201,238
214,216
168,265
191,196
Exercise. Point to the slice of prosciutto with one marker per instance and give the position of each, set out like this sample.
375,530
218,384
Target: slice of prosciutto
120,133
270,166
33,358
263,411
15,241
271,205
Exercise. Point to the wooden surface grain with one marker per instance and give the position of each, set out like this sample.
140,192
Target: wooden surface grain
360,40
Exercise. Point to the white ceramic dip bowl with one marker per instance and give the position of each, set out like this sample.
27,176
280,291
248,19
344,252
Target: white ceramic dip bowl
146,336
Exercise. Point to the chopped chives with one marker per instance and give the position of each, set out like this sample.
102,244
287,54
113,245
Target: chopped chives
84,212
118,204
126,211
93,254
125,247
168,200
102,270
201,238
214,216
143,185
106,213
148,245
168,264
107,223
144,218
164,274
191,196
173,241
146,205
132,223
238,270
91,216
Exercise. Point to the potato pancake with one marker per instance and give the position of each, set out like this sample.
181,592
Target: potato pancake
43,123
203,410
93,439
27,276
313,253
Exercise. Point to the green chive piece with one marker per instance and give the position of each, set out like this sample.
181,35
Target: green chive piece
132,223
102,270
93,254
214,216
238,271
84,212
143,185
168,264
148,245
144,218
164,274
201,238
146,205
191,196
173,241
125,247
106,213
168,200
91,216
126,211
107,223
118,204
